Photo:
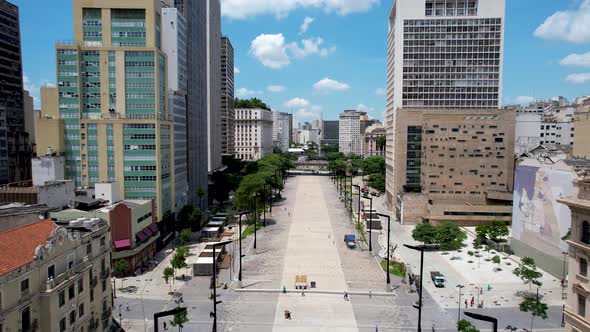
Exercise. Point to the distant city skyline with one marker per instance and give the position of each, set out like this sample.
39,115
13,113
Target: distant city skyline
299,59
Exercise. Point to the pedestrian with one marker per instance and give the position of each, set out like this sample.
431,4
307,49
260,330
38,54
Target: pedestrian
302,293
472,301
481,290
345,296
165,326
127,307
376,328
482,303
284,290
465,303
370,294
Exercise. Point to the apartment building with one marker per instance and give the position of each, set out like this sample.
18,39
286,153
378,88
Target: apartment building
454,165
15,147
330,132
577,306
442,54
281,130
111,101
253,133
174,44
349,132
227,97
56,277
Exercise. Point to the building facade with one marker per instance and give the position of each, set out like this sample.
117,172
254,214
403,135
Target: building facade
112,101
349,132
253,133
174,44
454,165
15,149
469,34
539,124
577,306
227,97
281,130
56,277
371,137
330,132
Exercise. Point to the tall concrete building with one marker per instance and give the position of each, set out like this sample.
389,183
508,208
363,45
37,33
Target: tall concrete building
330,132
253,133
281,130
349,128
15,150
111,103
227,97
442,54
174,44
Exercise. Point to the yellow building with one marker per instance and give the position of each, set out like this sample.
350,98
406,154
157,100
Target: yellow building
110,103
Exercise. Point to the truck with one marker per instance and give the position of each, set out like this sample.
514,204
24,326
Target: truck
350,240
437,278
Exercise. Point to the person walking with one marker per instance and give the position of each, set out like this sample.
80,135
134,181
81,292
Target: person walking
465,303
472,301
345,296
433,329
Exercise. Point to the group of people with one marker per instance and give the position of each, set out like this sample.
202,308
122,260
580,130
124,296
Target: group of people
479,305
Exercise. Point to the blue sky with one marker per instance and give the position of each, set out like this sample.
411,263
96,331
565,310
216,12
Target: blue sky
339,61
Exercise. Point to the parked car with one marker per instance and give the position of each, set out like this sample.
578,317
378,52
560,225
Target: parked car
437,278
350,240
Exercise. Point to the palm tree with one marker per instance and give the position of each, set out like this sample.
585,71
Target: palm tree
381,141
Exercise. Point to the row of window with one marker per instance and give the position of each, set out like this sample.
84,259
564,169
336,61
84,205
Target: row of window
141,168
128,34
140,147
136,178
139,136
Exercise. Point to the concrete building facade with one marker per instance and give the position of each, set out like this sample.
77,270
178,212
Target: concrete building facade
349,132
111,101
371,137
253,133
281,130
577,306
56,277
456,164
330,132
536,126
227,97
441,55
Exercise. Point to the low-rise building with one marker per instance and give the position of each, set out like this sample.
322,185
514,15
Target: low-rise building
253,133
371,137
55,277
543,123
133,232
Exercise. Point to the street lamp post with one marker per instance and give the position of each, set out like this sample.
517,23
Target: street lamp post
563,276
358,208
350,193
370,222
388,252
459,313
214,276
263,206
484,318
240,240
421,250
255,220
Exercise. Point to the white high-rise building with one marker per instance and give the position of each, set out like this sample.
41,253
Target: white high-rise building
349,132
174,44
253,133
442,54
281,134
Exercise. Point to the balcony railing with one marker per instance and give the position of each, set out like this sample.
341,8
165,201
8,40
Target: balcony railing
119,116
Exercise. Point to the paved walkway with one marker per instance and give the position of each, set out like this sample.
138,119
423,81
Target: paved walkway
311,250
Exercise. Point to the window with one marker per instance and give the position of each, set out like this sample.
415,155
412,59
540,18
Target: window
72,317
62,325
81,310
51,272
71,292
62,298
91,295
102,242
25,317
585,232
583,266
81,285
581,305
24,286
89,249
104,285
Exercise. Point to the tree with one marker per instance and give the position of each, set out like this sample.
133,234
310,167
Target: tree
179,320
482,232
466,326
250,103
449,236
496,260
121,266
381,143
425,233
373,165
200,195
496,230
179,259
168,273
535,307
185,236
377,181
527,271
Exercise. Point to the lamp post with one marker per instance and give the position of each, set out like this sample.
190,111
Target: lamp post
263,206
240,240
351,192
459,313
388,252
358,208
370,221
214,276
484,318
270,194
421,250
563,276
255,220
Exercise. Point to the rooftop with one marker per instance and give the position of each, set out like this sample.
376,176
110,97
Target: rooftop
18,245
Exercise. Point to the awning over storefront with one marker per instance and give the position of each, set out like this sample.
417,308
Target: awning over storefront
147,232
119,244
153,228
141,236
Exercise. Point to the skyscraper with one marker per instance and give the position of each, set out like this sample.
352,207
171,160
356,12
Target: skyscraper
112,95
281,130
227,97
447,143
15,150
349,127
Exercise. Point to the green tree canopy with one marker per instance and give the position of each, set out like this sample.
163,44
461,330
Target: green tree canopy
377,181
425,233
373,165
168,273
121,266
535,307
527,271
250,103
185,236
449,236
466,326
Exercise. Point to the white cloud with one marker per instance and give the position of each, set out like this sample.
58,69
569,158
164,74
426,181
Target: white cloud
244,92
328,85
308,114
273,52
568,25
236,70
580,60
276,88
270,50
578,78
242,9
309,47
380,92
296,103
364,108
524,100
305,25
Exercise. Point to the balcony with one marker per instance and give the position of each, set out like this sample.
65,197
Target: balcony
64,277
119,116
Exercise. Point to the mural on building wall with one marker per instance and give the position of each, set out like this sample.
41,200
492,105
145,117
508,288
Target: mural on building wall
537,218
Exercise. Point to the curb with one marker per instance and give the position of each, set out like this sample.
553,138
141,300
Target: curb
308,291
